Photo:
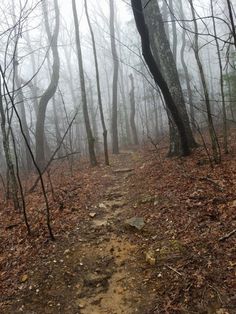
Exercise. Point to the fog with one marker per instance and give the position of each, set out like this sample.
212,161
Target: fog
29,75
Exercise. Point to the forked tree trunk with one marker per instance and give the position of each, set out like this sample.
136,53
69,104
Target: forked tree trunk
52,87
157,75
164,57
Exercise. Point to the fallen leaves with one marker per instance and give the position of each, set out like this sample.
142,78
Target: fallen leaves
185,209
24,278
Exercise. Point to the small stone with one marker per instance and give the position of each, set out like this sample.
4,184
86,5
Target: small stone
81,305
102,206
92,215
136,222
150,258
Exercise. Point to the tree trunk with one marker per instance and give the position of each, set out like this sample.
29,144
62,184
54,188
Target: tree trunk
115,140
185,68
163,56
132,113
6,146
90,138
225,131
52,87
231,17
157,75
212,132
174,30
165,15
20,95
98,88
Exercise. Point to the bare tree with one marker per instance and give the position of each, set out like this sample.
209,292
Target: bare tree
8,155
115,140
90,138
184,65
230,9
174,30
165,60
157,75
52,87
98,87
212,132
221,82
132,113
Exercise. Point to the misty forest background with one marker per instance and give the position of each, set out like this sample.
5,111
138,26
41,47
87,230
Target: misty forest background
85,79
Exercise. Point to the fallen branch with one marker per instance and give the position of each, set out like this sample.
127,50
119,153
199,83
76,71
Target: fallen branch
228,235
216,185
123,170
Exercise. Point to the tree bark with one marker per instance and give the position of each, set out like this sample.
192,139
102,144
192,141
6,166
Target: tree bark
8,156
174,30
90,138
185,68
212,132
52,87
115,140
157,75
225,131
105,144
164,57
132,113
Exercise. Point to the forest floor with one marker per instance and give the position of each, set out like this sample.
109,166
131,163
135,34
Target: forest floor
141,236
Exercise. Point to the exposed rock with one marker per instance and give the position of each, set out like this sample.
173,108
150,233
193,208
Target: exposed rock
92,214
102,206
136,222
150,258
95,280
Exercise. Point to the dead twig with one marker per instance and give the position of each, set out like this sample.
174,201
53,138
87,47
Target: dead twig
218,293
214,183
228,235
174,270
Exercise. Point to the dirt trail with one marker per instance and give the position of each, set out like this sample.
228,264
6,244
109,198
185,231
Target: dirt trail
97,272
